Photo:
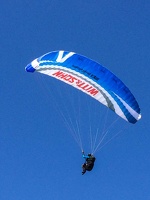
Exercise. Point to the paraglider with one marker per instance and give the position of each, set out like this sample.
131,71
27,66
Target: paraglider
89,162
93,79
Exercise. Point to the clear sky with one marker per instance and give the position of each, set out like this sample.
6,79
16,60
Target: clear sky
39,159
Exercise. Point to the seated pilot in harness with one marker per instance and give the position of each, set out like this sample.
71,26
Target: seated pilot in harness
89,162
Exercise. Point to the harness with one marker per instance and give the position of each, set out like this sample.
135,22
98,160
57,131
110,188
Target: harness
90,163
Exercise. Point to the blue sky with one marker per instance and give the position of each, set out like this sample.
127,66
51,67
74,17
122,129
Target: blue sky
39,159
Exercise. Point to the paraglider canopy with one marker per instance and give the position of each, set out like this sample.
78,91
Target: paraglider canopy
91,78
